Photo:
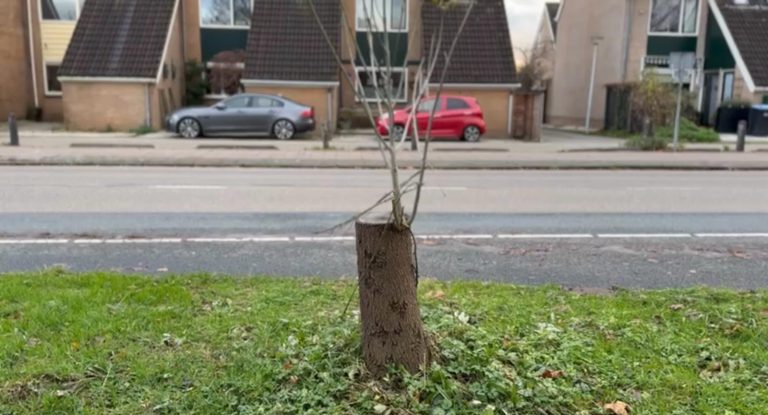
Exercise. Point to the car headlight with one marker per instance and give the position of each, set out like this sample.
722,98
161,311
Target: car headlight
173,118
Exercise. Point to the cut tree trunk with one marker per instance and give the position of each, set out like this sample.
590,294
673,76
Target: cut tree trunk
392,331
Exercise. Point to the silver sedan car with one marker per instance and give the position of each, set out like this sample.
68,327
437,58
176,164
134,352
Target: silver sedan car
244,113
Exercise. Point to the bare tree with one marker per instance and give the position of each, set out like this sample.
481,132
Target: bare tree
392,330
535,68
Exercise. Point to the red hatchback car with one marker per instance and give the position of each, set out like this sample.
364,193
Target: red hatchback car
456,117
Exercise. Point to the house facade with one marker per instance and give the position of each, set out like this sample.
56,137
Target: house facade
627,38
128,58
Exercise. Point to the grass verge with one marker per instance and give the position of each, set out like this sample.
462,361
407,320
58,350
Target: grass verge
106,343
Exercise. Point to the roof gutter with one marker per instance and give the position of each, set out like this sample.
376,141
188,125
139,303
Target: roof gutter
106,79
294,84
732,45
510,87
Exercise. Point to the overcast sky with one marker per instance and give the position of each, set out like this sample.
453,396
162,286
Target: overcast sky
524,18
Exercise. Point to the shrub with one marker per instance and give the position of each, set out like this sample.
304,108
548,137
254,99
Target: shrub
690,132
142,130
652,143
196,83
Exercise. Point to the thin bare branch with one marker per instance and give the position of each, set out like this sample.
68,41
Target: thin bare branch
428,137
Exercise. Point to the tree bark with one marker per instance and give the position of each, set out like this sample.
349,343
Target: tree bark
392,331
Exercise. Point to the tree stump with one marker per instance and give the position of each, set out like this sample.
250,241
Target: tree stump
392,331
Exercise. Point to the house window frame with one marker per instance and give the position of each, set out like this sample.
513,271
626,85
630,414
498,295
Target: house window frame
48,92
78,11
403,71
389,28
679,32
721,93
231,24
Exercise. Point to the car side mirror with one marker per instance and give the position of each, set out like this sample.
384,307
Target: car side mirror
220,106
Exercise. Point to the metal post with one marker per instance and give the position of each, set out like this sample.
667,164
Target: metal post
741,136
13,130
676,140
588,120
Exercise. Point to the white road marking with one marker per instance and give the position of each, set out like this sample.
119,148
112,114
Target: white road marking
644,235
186,187
323,238
547,236
33,241
454,236
731,235
288,239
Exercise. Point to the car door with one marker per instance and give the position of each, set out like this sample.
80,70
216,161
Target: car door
423,112
231,115
263,111
454,117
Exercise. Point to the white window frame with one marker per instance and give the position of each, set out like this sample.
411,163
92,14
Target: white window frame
405,73
231,24
48,92
78,10
721,92
680,32
389,28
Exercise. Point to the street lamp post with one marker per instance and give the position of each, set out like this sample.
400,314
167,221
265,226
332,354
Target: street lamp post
595,46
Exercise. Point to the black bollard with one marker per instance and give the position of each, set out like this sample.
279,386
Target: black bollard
741,136
13,130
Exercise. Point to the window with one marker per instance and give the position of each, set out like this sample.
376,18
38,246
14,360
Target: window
428,105
52,84
674,16
226,13
457,104
65,10
224,78
265,102
238,102
727,87
396,81
375,13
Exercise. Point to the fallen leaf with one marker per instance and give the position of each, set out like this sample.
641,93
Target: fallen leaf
163,269
287,365
676,307
739,254
437,295
764,313
61,392
552,374
294,379
618,408
380,408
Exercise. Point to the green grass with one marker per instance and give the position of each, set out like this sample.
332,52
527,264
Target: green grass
105,343
142,130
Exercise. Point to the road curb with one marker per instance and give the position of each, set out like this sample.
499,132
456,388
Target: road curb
376,164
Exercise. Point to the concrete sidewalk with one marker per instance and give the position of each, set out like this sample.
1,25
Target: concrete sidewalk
558,150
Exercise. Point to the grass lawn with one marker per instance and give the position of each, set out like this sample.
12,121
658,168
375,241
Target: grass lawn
106,343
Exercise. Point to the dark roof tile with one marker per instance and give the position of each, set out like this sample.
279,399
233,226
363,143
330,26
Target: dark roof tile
483,53
119,38
285,42
749,27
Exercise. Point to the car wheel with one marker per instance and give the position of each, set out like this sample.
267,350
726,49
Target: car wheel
284,130
398,131
189,128
471,134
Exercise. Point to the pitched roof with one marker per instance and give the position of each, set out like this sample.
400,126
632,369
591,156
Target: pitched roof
552,9
748,25
483,54
285,42
119,39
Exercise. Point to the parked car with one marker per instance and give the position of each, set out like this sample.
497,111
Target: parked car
455,117
244,113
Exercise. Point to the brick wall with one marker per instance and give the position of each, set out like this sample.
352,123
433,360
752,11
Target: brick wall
15,82
99,106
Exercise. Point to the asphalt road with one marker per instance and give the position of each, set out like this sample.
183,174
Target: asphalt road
644,229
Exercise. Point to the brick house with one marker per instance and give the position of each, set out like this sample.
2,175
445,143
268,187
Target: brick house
630,37
128,58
